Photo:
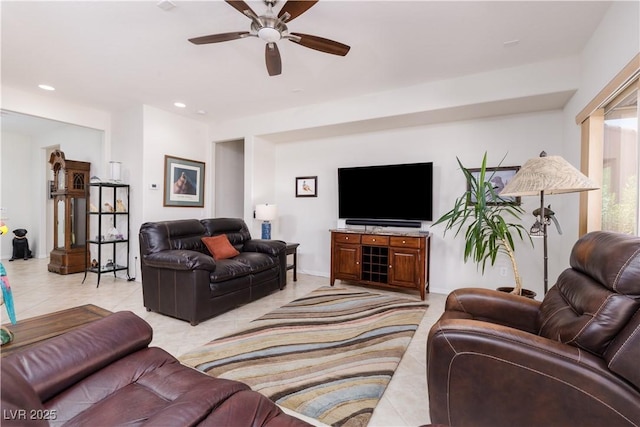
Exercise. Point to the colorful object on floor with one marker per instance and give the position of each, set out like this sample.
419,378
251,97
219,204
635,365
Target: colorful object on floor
7,296
6,336
3,229
328,355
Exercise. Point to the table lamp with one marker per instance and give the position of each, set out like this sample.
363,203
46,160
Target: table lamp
266,213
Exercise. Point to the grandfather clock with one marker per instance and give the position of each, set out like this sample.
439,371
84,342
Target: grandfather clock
70,184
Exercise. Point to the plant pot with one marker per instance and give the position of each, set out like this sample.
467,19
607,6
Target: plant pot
525,292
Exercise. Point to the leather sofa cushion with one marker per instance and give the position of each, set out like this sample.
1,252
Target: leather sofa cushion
219,247
227,269
256,261
163,392
241,265
623,354
182,234
235,229
33,365
17,397
593,301
613,259
580,312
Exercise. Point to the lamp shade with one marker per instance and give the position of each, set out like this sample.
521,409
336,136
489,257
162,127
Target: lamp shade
266,212
551,174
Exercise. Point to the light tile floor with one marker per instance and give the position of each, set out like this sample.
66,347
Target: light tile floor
36,292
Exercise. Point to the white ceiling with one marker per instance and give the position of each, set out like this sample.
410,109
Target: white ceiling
113,55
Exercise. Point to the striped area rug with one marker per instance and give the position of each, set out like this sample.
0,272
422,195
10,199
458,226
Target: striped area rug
328,355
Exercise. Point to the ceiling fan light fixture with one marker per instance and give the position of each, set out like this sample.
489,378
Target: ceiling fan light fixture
271,28
269,35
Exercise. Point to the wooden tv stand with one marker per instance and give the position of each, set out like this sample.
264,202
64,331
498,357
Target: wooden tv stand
393,260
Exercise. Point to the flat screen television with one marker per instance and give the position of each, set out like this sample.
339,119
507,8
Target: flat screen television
387,192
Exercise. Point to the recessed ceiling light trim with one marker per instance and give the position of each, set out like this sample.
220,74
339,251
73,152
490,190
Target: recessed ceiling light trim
46,87
511,43
166,5
180,104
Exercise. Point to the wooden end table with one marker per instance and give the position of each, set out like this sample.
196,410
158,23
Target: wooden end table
29,332
292,249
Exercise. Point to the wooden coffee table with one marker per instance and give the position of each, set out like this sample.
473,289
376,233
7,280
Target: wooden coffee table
31,331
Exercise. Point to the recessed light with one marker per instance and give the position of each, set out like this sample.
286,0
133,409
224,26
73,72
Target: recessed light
511,43
166,5
46,87
201,112
180,104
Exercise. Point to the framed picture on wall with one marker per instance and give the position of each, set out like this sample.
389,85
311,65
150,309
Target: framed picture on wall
499,177
183,182
307,186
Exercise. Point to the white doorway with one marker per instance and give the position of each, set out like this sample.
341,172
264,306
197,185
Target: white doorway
229,179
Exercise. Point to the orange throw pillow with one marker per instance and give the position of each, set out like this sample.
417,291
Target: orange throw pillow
220,247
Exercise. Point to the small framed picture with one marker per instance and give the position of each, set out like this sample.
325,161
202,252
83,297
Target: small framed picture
307,186
498,177
183,182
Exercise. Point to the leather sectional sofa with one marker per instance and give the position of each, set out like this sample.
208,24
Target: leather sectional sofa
181,278
104,374
573,359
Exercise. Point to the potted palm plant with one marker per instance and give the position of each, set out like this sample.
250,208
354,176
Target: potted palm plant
490,229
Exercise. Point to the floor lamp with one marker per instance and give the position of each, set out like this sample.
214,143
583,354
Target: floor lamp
546,175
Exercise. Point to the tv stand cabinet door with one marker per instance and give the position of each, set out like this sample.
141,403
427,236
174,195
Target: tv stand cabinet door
404,268
346,262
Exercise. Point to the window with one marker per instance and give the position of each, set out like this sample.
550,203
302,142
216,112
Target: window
611,155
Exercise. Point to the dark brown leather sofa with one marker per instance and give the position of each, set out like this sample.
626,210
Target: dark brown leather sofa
104,374
181,279
496,359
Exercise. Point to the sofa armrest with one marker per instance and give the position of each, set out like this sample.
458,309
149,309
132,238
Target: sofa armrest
180,260
484,374
270,247
274,248
493,306
58,363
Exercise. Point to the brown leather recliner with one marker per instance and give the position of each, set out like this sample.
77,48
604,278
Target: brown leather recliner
181,279
104,374
496,359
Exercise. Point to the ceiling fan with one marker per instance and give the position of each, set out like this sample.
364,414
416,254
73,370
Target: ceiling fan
271,28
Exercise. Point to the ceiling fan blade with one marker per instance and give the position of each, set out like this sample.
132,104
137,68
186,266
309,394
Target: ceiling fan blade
295,8
217,38
272,58
321,44
241,6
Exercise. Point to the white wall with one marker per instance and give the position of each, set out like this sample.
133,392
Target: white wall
260,173
142,136
19,205
127,148
611,48
48,106
168,134
307,220
25,174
